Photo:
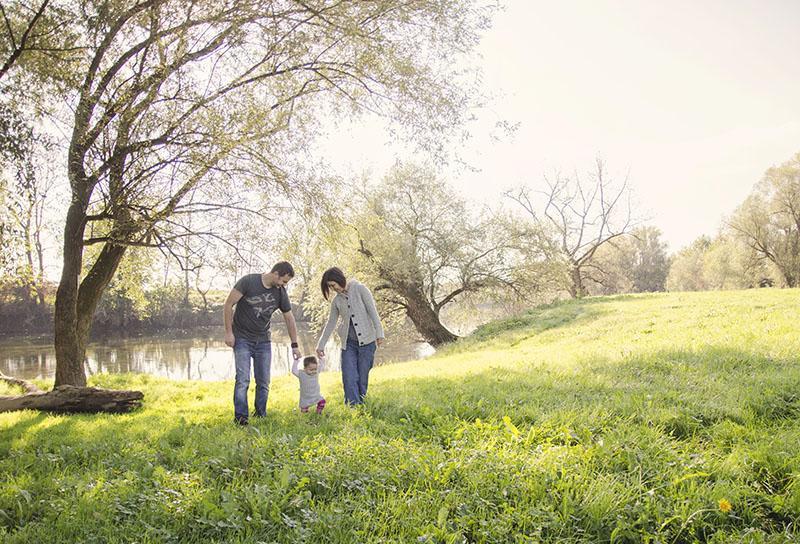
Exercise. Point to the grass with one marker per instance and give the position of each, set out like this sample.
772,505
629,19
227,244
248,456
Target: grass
621,419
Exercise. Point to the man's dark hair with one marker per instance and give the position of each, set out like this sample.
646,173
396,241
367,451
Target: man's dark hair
309,360
283,268
335,275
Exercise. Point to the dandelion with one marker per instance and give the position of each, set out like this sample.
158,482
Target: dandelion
725,506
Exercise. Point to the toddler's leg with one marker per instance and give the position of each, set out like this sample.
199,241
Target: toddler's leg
304,409
320,406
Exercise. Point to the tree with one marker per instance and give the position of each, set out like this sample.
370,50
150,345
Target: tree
686,271
634,263
577,218
768,221
31,198
38,35
425,248
651,263
26,186
728,263
38,55
185,96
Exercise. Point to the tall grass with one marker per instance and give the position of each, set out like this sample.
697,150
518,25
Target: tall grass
660,418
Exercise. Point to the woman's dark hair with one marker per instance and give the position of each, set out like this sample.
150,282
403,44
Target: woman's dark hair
283,268
335,275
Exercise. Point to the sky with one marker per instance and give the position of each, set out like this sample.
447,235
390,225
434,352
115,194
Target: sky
693,101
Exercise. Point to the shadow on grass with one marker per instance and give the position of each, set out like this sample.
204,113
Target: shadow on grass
513,330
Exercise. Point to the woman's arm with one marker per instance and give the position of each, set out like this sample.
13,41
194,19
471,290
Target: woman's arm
329,326
372,310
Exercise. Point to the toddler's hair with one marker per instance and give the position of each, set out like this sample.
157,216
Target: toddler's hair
309,360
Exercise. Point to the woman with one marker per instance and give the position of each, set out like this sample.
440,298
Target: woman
360,331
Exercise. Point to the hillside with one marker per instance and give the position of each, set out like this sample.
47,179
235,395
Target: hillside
647,418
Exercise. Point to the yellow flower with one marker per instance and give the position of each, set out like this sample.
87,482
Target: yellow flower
725,506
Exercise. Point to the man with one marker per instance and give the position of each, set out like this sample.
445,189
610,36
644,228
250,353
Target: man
256,297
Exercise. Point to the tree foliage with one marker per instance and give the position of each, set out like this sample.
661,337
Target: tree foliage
211,98
722,262
768,221
425,248
634,263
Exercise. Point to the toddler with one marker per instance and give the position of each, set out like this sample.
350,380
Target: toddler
309,382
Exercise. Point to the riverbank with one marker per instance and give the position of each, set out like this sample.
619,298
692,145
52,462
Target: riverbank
190,354
661,418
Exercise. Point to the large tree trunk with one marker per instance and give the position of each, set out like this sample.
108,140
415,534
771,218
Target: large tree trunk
75,306
70,399
70,348
426,320
576,287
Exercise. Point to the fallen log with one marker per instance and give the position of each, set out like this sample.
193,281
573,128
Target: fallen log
69,399
26,386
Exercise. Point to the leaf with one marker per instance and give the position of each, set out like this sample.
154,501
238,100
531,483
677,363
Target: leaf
284,477
690,476
441,519
26,494
510,427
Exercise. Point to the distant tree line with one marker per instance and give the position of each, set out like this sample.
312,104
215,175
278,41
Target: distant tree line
757,246
122,310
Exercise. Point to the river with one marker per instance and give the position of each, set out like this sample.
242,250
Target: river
199,354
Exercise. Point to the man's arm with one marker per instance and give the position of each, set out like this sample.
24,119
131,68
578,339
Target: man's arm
291,327
227,315
295,367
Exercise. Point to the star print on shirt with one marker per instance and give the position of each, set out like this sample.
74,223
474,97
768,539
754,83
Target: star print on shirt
263,304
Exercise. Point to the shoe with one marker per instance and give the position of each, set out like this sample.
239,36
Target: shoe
241,421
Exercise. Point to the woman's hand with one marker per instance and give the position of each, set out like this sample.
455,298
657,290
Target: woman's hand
320,353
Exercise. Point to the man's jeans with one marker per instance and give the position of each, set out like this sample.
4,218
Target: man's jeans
261,354
356,364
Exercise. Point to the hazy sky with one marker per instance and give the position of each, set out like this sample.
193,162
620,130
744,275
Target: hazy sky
695,99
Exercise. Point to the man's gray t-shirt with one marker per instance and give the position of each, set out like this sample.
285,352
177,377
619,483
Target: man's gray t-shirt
254,310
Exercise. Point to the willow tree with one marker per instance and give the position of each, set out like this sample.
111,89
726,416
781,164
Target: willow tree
185,96
768,221
426,248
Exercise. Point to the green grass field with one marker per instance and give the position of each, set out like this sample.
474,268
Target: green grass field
656,418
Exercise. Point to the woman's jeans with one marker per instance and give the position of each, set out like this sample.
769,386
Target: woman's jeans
356,364
261,354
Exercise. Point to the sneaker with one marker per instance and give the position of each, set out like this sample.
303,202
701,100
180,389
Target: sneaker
240,421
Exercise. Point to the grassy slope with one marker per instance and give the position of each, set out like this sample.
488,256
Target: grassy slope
623,419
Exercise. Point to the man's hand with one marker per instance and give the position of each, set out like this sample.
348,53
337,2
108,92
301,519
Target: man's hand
379,341
296,353
229,339
320,353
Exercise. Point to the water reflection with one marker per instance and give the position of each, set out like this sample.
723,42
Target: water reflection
192,355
